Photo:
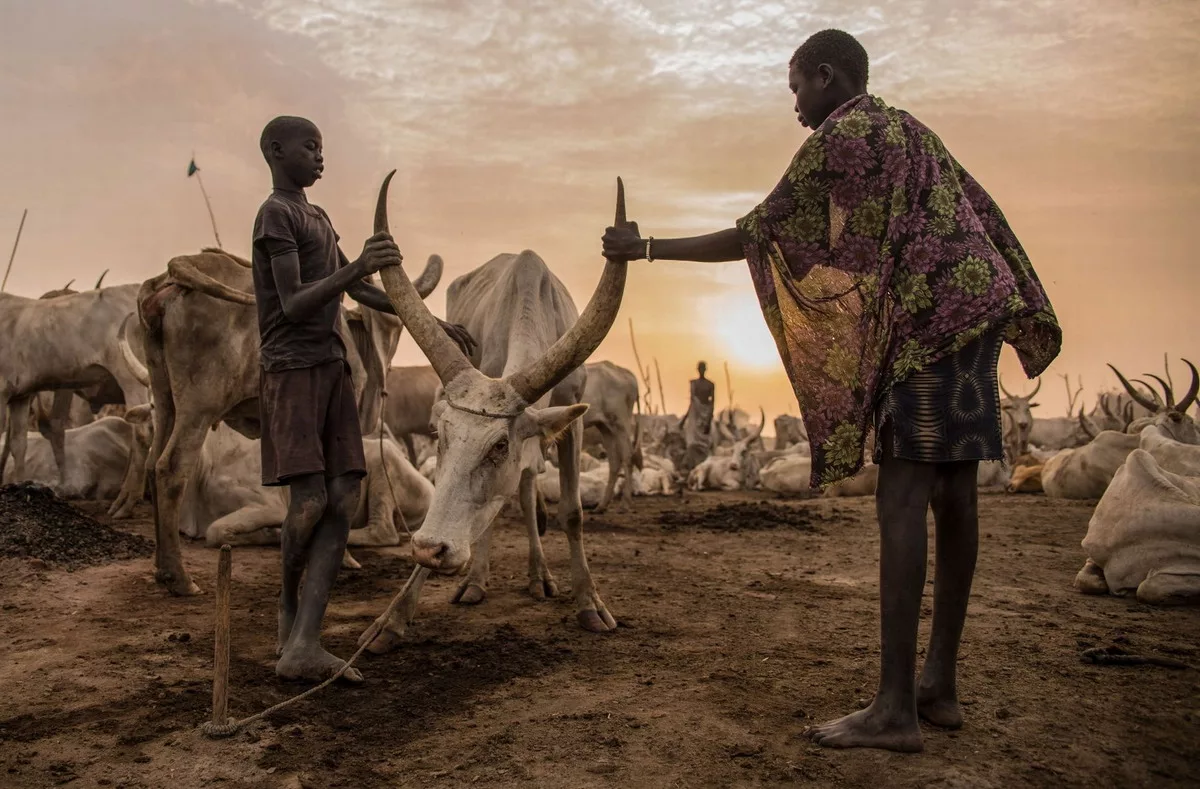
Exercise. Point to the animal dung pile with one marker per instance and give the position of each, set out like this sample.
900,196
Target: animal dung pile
745,516
36,524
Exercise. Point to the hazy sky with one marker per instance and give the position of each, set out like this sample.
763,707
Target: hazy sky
509,121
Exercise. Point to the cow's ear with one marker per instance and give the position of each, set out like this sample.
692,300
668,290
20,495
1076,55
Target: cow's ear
1034,405
553,422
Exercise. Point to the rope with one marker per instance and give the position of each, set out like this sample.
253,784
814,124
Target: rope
217,730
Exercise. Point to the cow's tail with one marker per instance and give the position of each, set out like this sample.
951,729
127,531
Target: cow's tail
184,272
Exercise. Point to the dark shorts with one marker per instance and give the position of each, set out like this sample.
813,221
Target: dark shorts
948,412
310,423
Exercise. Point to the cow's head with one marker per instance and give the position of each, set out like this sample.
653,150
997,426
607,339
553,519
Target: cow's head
1171,416
486,425
1026,479
742,445
1019,415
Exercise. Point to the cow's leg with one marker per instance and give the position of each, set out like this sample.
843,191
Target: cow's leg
901,500
380,506
412,450
60,412
133,486
313,543
1180,586
393,627
1090,579
473,590
541,582
252,525
590,610
178,461
18,435
956,519
615,465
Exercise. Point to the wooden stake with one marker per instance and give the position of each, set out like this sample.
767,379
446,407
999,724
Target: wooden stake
221,641
643,372
662,396
13,256
729,388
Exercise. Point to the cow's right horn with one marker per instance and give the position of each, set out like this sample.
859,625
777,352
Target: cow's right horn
577,344
1166,387
1137,396
1083,423
1189,397
1000,380
445,357
99,281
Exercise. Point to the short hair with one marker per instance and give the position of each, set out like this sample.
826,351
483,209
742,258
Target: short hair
837,48
282,128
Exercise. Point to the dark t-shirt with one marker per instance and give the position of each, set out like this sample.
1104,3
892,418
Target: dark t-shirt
286,223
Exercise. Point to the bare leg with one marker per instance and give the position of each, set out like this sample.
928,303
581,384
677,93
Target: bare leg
541,582
590,611
318,550
956,515
902,500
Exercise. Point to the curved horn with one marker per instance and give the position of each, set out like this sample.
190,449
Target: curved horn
1166,387
574,347
1033,394
135,366
1083,423
761,423
100,280
445,357
68,285
1189,396
1154,395
1127,416
428,280
1000,380
1135,394
1104,406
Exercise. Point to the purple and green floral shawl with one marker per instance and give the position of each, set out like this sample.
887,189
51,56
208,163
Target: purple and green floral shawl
876,255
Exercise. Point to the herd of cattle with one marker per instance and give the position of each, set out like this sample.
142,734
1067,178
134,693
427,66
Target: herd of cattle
125,391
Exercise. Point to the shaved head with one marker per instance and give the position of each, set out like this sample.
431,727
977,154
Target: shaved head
283,129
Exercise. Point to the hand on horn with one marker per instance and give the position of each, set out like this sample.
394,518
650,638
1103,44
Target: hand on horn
380,251
462,338
623,243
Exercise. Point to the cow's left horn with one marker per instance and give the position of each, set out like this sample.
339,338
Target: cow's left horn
762,422
1189,397
99,281
1137,396
1166,387
577,344
1083,423
1038,386
445,357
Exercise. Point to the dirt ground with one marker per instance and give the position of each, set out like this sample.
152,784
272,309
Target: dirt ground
740,626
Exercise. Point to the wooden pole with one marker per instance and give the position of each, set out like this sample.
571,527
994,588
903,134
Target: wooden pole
221,641
729,388
643,372
13,256
662,396
209,205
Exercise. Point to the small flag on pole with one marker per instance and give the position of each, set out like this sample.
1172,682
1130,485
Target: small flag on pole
192,168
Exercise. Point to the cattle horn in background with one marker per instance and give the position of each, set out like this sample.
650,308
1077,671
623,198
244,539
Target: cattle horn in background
1137,396
1088,429
101,280
761,424
135,366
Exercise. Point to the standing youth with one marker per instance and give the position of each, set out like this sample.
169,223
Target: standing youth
311,438
888,278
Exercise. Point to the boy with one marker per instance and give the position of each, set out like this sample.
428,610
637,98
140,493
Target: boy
888,278
311,439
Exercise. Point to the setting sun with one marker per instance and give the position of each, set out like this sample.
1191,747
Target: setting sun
741,331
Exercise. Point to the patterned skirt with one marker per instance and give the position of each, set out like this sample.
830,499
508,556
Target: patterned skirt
948,412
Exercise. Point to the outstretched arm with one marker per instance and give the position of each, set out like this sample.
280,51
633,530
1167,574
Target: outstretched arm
625,243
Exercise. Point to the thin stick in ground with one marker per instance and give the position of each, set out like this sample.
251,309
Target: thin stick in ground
221,639
662,395
643,372
13,256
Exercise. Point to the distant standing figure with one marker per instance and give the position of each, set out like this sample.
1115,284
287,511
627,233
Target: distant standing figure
699,416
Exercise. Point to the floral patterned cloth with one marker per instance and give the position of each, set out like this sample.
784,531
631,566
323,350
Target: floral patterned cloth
875,256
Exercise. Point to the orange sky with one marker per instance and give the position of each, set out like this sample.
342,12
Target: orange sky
509,122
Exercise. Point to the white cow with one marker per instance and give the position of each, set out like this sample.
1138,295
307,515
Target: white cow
97,455
725,471
522,390
1144,536
612,394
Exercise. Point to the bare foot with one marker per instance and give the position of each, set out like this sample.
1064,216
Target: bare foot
313,664
939,708
870,728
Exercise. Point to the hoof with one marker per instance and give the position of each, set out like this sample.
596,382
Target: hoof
596,621
349,562
470,594
540,589
177,586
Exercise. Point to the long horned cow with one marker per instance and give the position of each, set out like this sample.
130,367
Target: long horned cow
1019,422
494,419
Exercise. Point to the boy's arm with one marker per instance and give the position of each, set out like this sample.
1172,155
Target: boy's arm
366,294
302,299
